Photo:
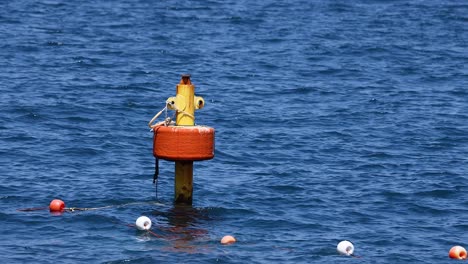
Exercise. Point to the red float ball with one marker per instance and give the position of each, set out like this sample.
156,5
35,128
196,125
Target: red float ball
57,205
457,252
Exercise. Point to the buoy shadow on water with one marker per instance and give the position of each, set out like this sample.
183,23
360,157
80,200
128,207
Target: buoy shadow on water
177,239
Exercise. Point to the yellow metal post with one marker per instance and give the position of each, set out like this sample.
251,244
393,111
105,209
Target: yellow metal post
185,116
183,182
185,94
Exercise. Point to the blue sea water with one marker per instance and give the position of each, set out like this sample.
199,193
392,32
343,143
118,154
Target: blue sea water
334,120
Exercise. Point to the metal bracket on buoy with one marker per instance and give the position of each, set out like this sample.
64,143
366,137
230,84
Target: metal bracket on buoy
183,142
179,102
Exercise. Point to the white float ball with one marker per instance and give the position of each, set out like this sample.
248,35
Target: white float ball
143,223
345,248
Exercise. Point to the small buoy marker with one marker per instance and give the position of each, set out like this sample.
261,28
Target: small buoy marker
143,223
57,205
226,240
457,252
345,248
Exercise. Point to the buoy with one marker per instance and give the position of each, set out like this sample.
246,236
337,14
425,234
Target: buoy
345,248
183,142
457,252
57,205
228,240
143,223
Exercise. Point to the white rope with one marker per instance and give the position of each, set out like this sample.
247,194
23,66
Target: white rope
150,124
167,121
72,209
182,111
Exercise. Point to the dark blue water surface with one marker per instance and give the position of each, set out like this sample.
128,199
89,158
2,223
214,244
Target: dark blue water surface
334,120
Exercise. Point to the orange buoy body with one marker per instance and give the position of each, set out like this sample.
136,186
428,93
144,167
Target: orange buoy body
183,143
457,252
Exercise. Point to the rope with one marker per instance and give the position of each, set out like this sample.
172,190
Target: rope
156,116
182,111
154,234
155,176
32,209
149,231
73,209
156,170
167,121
